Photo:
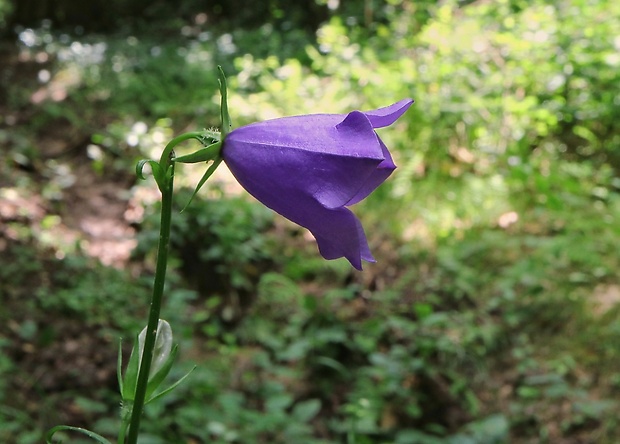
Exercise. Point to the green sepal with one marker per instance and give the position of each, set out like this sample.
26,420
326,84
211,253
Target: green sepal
156,379
204,155
206,176
48,436
226,123
169,389
131,374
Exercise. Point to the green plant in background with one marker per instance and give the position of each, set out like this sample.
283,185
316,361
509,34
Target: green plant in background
5,10
222,238
505,109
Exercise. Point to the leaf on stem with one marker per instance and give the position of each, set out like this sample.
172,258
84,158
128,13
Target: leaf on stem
206,176
226,123
131,374
156,379
48,436
172,387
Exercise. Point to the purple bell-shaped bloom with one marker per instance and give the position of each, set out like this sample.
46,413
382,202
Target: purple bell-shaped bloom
310,168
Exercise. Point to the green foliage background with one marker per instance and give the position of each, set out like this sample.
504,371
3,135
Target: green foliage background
491,315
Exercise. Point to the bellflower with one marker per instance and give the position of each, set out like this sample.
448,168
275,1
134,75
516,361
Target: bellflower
311,168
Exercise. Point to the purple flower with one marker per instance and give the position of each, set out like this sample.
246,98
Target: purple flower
310,168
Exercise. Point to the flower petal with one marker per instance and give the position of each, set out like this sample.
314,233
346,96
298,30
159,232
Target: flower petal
331,176
349,175
383,171
383,117
279,182
316,133
341,235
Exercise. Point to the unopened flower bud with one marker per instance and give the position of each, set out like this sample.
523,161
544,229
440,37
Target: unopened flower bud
163,346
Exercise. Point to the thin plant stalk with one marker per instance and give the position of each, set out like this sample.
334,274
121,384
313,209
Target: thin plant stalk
158,291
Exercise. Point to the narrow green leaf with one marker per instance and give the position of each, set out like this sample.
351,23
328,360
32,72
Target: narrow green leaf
154,167
169,389
204,155
140,167
333,364
207,174
156,379
48,436
226,123
131,374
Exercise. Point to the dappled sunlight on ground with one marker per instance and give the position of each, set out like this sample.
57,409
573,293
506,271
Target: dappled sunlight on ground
94,208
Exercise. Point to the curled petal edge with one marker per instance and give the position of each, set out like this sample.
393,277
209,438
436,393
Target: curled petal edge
382,117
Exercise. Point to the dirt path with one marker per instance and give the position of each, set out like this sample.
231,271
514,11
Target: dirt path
49,183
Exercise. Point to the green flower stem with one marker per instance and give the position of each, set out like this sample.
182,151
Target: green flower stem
166,155
164,175
167,165
156,301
